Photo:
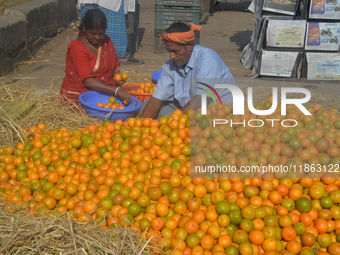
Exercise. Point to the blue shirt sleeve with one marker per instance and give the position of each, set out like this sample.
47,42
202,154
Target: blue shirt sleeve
165,85
213,71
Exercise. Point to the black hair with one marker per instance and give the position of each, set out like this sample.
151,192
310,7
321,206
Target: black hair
93,18
177,27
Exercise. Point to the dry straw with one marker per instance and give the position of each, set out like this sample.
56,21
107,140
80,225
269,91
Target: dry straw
138,77
50,108
50,234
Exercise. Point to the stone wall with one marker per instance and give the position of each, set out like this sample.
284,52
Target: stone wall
30,26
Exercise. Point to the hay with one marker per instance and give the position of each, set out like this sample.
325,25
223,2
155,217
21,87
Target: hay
50,108
138,77
49,234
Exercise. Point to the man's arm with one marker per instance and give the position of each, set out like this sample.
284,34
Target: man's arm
194,104
152,108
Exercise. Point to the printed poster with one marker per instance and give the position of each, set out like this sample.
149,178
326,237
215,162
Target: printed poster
278,63
286,33
324,9
280,6
323,36
323,66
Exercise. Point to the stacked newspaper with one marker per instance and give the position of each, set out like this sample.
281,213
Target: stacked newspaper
282,38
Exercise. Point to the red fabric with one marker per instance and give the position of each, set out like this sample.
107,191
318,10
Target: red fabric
80,62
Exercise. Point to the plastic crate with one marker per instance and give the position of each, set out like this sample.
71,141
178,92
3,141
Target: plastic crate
165,16
140,96
159,47
180,3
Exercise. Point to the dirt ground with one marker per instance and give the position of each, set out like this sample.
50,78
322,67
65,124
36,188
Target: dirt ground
227,32
9,3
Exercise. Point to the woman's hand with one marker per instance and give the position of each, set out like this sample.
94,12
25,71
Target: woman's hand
124,94
120,83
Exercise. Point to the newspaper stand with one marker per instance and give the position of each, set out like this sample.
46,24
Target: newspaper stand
289,36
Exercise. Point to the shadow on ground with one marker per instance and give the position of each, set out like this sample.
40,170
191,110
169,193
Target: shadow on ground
241,38
232,5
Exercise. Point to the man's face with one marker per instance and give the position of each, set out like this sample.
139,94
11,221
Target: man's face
178,53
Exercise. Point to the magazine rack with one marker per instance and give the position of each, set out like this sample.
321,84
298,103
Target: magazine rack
295,39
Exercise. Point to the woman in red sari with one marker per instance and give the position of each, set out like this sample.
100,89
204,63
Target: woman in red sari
91,61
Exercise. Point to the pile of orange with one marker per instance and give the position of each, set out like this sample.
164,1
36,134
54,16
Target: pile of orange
145,88
111,104
137,174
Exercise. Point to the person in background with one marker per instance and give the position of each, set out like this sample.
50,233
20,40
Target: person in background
92,61
189,63
116,30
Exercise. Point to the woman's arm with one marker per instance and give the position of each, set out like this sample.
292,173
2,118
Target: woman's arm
94,84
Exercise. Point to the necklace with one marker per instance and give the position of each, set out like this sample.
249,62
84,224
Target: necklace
92,45
97,51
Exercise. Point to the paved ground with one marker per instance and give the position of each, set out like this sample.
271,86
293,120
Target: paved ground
227,32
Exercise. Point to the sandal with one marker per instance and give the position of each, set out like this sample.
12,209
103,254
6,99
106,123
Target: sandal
132,61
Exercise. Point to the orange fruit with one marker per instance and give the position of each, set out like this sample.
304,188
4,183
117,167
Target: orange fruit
118,78
124,76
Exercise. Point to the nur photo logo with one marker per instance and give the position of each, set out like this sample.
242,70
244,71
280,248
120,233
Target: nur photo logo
204,97
239,102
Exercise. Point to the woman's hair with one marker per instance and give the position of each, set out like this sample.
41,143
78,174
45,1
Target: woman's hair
93,18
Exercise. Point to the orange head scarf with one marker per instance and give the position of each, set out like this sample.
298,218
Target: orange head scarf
180,37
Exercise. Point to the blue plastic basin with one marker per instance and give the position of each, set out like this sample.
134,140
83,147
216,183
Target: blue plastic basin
156,76
90,99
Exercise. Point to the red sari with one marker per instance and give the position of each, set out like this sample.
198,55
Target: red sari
81,64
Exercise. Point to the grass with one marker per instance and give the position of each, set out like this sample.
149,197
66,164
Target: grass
9,3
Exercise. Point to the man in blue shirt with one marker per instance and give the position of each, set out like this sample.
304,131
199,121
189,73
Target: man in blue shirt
189,66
